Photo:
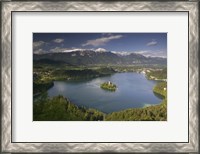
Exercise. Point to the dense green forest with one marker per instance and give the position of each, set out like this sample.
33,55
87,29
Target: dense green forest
151,113
108,86
60,109
161,88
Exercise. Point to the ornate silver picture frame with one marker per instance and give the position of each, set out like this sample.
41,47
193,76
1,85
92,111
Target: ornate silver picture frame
8,8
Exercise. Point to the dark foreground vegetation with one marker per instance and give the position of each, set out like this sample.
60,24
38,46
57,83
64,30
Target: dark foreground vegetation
60,109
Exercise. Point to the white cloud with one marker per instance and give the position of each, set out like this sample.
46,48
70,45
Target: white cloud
152,43
162,54
38,47
58,40
75,49
38,44
102,40
58,49
39,51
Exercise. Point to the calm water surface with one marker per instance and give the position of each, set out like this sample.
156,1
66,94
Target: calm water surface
133,91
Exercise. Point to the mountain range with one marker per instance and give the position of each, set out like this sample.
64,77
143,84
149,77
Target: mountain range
89,57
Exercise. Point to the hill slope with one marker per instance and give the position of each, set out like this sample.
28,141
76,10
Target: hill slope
89,57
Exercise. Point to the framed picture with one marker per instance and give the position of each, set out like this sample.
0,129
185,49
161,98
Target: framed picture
100,76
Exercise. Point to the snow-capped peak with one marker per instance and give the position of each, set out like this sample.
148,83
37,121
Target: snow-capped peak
121,53
100,50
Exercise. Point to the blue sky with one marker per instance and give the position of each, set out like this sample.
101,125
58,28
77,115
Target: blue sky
149,44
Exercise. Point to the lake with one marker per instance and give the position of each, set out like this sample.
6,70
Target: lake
133,91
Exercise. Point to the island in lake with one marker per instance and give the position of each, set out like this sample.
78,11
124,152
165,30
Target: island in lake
108,86
99,77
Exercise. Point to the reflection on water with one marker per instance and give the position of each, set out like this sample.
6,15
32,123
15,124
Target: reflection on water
133,91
